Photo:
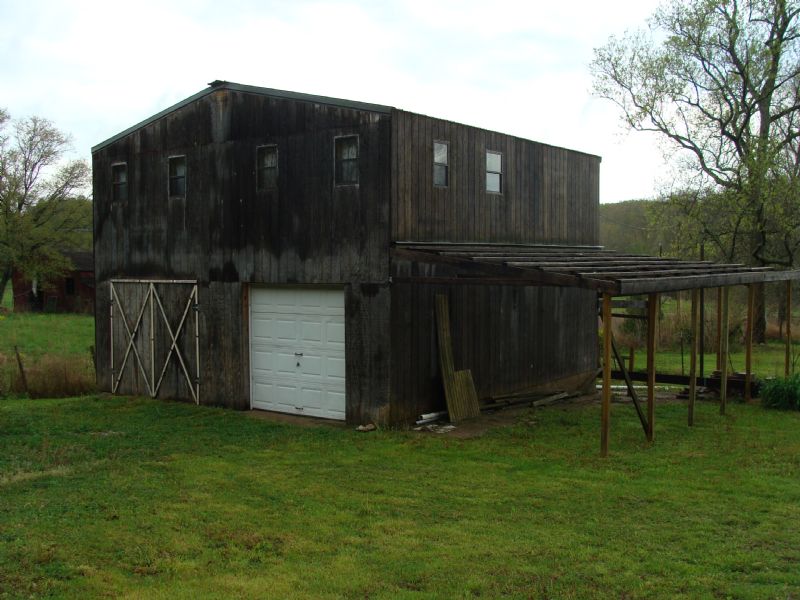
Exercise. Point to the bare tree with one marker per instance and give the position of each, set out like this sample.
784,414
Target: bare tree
40,213
719,80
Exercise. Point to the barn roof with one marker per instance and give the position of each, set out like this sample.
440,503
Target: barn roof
250,89
589,267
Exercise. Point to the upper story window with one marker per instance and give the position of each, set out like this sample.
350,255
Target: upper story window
346,154
441,175
494,172
266,167
177,176
119,182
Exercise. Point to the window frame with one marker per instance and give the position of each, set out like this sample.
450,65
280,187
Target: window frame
170,177
116,197
498,173
336,161
445,164
262,183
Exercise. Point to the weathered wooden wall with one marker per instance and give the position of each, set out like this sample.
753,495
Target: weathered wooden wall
225,234
550,195
511,338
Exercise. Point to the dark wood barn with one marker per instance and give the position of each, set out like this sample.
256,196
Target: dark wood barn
74,292
258,248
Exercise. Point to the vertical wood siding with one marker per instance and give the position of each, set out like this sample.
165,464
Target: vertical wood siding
226,234
510,337
550,195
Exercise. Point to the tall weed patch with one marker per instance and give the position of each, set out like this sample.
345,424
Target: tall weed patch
781,393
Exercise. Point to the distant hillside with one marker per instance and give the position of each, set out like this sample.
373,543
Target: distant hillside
626,227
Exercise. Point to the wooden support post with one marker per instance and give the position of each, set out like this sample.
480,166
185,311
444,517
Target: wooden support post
605,413
723,371
631,359
748,340
652,316
693,357
788,361
719,327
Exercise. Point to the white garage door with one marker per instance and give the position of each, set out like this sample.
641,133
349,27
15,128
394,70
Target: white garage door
297,351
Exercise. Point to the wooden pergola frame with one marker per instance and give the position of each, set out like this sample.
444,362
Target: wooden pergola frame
610,274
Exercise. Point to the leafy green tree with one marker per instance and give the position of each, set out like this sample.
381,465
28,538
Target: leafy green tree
41,212
719,82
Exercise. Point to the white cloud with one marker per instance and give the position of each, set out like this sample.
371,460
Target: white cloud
521,67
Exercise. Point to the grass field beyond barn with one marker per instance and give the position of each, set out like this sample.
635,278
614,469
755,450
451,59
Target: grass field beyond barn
120,497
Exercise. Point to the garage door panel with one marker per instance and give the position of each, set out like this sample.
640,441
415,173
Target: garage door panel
334,333
285,363
311,365
297,350
262,327
335,368
311,331
263,361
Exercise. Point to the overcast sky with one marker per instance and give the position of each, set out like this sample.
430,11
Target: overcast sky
96,68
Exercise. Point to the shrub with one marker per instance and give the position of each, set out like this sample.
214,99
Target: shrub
781,393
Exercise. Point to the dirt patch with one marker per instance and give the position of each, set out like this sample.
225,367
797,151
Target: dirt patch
301,420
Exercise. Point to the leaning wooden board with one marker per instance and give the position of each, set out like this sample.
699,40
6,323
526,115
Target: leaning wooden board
459,388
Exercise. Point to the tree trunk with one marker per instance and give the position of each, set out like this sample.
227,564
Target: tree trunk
4,279
760,313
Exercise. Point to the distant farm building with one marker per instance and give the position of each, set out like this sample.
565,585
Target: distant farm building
73,292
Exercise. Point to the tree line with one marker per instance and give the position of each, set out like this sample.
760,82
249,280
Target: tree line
718,81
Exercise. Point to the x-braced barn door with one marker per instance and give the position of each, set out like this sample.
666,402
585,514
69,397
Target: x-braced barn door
151,330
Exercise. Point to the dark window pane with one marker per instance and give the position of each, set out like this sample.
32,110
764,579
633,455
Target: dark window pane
440,175
347,147
348,171
493,182
119,183
69,286
177,186
346,151
177,176
267,167
440,153
494,162
177,166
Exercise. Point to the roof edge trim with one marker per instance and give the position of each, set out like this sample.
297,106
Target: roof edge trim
248,89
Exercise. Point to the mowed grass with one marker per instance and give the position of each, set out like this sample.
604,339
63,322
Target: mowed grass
768,360
120,497
39,334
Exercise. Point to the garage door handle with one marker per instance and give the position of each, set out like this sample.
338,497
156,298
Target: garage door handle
298,354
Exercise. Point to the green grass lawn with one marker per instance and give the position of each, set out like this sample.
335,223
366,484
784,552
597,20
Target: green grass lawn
7,301
54,349
38,334
117,497
768,360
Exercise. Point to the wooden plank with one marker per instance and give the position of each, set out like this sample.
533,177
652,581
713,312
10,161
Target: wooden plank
695,325
652,316
719,327
723,390
605,412
632,287
629,384
459,388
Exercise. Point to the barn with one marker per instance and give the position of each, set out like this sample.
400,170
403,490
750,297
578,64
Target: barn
265,249
71,292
